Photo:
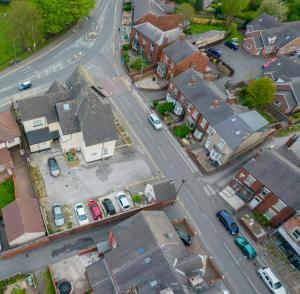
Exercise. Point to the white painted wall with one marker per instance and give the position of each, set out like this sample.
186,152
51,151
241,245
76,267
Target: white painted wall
70,141
54,127
29,124
40,146
27,237
15,142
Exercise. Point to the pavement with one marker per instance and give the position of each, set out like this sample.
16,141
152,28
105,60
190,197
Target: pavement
198,198
152,83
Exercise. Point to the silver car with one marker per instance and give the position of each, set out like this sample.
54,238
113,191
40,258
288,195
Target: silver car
155,121
58,215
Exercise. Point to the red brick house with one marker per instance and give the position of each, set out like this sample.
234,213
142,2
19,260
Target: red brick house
149,41
178,57
266,35
157,12
270,184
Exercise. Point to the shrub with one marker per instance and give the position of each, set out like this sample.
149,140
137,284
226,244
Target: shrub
155,103
126,56
182,131
138,64
165,107
125,47
137,198
261,218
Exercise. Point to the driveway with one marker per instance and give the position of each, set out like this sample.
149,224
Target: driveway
245,65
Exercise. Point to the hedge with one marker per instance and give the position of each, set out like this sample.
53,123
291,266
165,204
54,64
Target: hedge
165,107
182,131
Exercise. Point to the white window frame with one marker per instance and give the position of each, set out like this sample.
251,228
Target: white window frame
249,180
211,132
2,168
166,59
203,123
105,151
37,123
152,47
279,205
221,144
270,213
195,114
214,155
296,234
264,192
207,143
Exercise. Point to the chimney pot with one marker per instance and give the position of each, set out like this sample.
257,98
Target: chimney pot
215,103
182,37
192,81
291,141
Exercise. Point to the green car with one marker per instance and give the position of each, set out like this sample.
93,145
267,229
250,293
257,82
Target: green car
246,248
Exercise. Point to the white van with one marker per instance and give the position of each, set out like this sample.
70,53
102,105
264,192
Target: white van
271,280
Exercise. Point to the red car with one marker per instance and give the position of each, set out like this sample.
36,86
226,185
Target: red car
95,209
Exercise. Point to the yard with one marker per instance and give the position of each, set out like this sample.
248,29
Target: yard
288,131
7,193
196,28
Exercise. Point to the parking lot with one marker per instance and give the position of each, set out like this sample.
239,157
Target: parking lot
100,179
245,65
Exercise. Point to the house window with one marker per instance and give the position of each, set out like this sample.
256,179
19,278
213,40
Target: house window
195,114
264,192
170,98
221,144
197,134
214,155
190,107
37,123
150,56
277,103
190,123
105,151
270,213
296,234
135,44
279,205
249,180
161,70
182,99
175,91
203,123
1,168
11,140
207,143
178,108
249,46
136,36
211,132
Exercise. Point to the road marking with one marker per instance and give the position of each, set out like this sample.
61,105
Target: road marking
212,191
210,223
149,134
162,152
137,117
191,195
206,190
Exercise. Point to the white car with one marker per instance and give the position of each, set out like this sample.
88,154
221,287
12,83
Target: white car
271,280
123,201
81,214
155,121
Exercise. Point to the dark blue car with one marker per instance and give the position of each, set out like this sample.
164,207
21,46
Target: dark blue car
228,222
215,51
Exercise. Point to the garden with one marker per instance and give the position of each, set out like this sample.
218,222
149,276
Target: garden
18,284
133,61
7,193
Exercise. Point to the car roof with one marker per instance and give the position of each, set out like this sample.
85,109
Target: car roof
154,116
271,275
227,216
26,83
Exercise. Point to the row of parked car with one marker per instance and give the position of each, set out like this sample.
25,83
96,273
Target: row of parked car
265,273
94,208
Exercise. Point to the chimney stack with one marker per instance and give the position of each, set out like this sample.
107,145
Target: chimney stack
166,40
291,141
214,103
192,81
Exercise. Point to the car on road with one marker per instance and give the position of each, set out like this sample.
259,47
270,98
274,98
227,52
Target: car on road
81,214
95,209
245,247
232,45
271,280
58,215
185,237
53,167
123,201
155,121
228,222
108,206
25,85
215,51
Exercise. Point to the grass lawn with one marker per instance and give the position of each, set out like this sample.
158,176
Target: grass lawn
289,130
196,28
267,117
7,194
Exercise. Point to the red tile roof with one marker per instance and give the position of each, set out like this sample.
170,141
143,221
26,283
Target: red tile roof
4,156
8,127
22,216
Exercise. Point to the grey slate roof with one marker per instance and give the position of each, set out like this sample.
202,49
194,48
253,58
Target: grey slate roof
156,35
147,253
279,175
164,190
143,7
201,95
284,68
41,106
56,87
180,50
264,21
41,135
237,128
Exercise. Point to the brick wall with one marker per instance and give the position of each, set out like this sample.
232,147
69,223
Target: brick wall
283,106
250,47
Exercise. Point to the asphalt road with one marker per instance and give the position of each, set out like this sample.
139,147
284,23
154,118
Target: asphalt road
102,58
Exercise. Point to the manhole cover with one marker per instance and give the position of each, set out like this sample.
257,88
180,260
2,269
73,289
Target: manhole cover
64,287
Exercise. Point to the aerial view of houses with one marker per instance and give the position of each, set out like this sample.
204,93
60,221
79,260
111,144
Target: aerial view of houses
150,146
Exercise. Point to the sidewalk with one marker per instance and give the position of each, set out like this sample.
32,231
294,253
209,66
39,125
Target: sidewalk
149,83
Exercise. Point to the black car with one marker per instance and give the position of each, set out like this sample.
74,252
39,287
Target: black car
232,45
215,51
185,237
228,222
53,167
109,207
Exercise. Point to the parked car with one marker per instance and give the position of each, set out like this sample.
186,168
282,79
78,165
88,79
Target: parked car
109,207
235,40
81,214
215,51
123,201
155,121
58,215
95,209
228,222
271,280
53,166
25,85
246,248
185,237
232,45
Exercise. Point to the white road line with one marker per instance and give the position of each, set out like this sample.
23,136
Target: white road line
162,152
149,134
137,116
206,190
210,223
191,195
212,191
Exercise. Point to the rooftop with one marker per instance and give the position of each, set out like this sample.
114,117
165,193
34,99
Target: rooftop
8,127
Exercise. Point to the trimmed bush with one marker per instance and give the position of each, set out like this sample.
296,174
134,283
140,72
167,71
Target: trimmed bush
137,198
261,218
126,56
125,47
165,107
138,64
182,131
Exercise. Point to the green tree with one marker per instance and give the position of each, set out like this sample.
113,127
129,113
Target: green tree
186,10
293,10
260,92
274,7
26,23
231,8
198,5
60,14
